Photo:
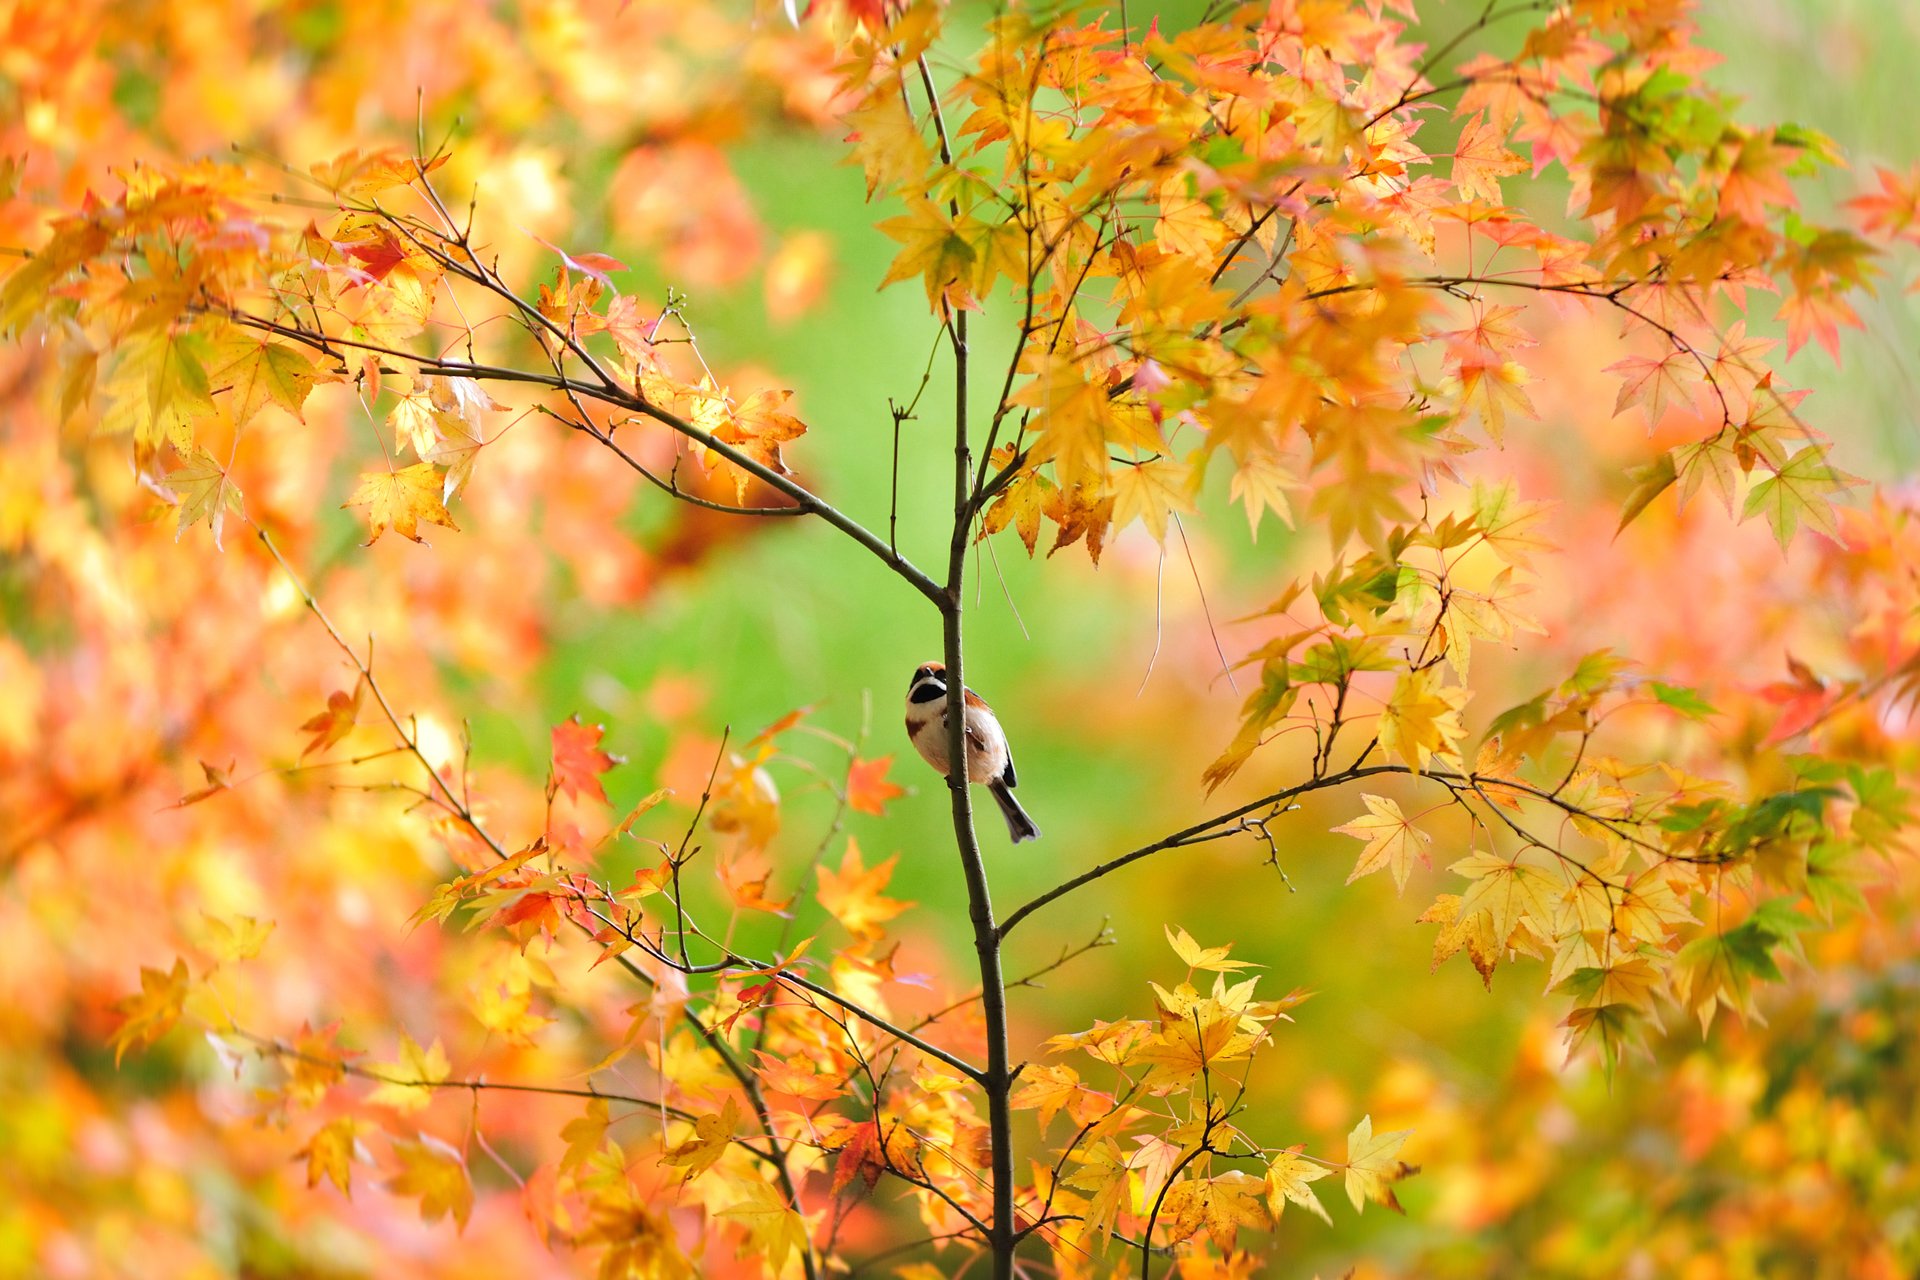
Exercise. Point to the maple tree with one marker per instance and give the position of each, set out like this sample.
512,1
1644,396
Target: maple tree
1288,258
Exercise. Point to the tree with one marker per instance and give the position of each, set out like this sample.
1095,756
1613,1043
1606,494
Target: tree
1272,258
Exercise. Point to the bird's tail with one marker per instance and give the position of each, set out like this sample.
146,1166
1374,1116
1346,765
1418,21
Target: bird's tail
1019,825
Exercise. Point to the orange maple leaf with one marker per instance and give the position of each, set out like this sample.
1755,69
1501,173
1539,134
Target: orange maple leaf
578,760
853,894
867,787
335,723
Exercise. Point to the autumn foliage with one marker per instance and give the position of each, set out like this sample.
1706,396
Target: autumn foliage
1447,350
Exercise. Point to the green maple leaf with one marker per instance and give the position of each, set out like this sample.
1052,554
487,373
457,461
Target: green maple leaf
1798,492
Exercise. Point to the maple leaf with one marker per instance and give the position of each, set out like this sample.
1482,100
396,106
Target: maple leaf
1797,492
254,373
159,390
1079,510
599,266
1047,1088
1480,160
204,491
1020,504
1894,210
1261,484
773,1229
151,1014
1491,386
853,894
1221,1204
758,426
578,760
400,500
1616,1027
1372,1168
1652,381
937,250
887,142
1422,718
1509,890
1185,225
406,1084
1153,492
1720,968
1074,417
711,1136
1105,1175
1289,1177
437,1174
1715,459
414,421
1649,482
235,938
357,174
1473,933
315,1064
333,1147
334,723
867,787
1391,841
1195,956
870,1151
1648,905
218,780
1803,700
456,446
1756,179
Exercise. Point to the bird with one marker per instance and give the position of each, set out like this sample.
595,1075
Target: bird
988,759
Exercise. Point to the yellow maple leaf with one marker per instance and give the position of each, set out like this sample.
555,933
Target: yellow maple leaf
1195,956
1187,225
234,938
937,249
1288,1178
1422,719
1510,891
711,1135
1473,933
1221,1204
331,1149
437,1174
886,141
1153,491
1372,1167
253,373
204,491
400,500
773,1229
406,1084
1391,841
1074,419
152,1013
1260,483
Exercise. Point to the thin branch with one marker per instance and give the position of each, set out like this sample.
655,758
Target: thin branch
629,401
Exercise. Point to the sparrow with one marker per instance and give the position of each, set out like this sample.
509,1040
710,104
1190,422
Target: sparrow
988,759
